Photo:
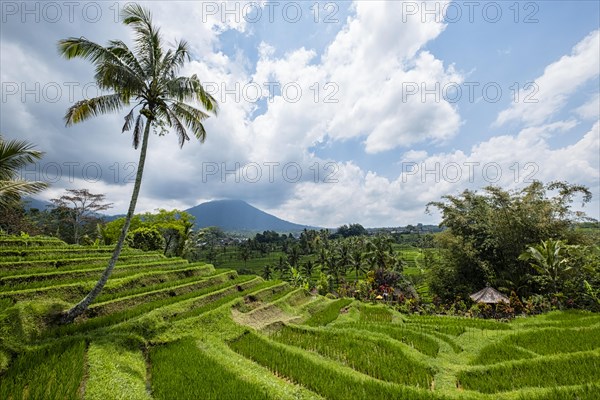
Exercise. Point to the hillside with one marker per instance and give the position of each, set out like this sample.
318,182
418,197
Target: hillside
237,215
167,329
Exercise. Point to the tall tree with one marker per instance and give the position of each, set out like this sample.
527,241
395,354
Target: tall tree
14,155
148,77
357,257
82,206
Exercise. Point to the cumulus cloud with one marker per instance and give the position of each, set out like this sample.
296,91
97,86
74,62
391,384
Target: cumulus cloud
560,80
368,85
509,161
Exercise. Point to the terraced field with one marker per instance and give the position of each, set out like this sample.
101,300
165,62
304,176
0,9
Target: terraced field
167,329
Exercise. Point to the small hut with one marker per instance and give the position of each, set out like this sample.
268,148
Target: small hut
489,295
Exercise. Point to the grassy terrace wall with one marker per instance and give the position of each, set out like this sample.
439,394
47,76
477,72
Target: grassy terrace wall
167,329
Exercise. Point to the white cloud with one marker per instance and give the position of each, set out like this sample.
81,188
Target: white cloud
590,109
509,161
367,62
560,80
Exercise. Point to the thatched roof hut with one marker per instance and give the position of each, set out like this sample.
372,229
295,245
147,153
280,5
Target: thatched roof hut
489,295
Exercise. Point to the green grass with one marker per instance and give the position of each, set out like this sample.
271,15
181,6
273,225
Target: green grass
133,312
133,275
163,328
576,369
419,341
116,364
375,314
374,357
499,352
546,341
328,314
330,382
52,372
180,370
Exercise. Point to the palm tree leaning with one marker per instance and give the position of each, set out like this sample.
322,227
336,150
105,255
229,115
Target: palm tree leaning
14,155
147,77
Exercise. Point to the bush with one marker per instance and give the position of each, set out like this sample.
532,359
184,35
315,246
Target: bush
146,239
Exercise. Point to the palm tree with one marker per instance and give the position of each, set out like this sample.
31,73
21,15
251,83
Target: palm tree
14,155
380,253
146,76
357,257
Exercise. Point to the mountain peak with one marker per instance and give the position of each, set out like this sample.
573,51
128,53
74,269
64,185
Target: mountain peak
238,215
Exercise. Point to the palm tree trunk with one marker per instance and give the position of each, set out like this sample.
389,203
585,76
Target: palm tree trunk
80,307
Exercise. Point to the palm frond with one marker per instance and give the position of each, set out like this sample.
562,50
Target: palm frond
11,191
137,131
85,109
190,89
174,60
14,155
192,117
128,121
147,39
120,49
112,71
182,135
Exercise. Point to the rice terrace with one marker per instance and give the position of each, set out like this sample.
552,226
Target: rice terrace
445,241
165,328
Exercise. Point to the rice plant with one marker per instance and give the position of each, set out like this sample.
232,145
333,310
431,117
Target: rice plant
419,341
375,357
375,314
52,372
327,314
180,370
330,382
562,370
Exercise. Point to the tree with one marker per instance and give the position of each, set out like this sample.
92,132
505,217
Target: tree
146,239
357,257
14,155
148,76
294,255
549,259
380,253
82,206
488,231
245,253
267,272
14,220
352,230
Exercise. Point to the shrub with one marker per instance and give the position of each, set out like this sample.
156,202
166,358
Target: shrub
147,239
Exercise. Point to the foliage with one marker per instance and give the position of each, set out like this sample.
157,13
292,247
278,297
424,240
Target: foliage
166,324
174,226
348,231
328,314
488,231
14,155
146,239
80,206
14,219
176,366
57,377
550,260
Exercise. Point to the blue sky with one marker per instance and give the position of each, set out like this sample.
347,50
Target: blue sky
362,142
